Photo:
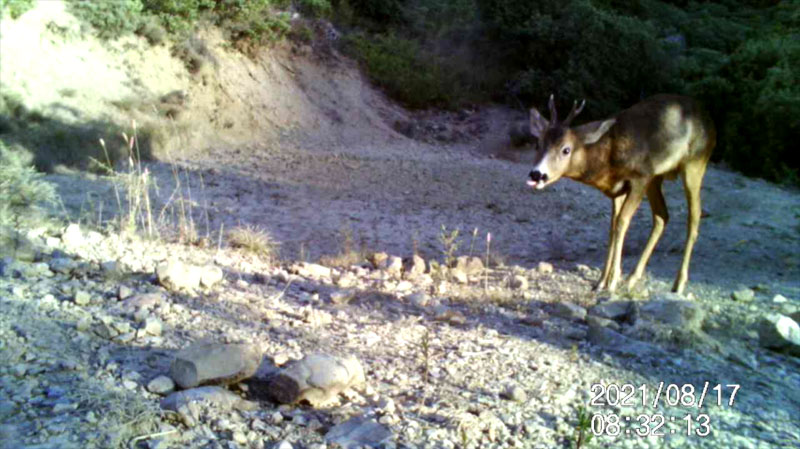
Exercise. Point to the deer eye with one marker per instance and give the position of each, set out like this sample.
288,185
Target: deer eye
565,151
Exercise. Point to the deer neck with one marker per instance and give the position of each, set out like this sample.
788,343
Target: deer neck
590,164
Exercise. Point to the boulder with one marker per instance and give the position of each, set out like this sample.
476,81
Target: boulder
214,364
316,378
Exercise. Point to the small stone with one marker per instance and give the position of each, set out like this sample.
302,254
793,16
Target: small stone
64,407
129,384
515,393
62,265
342,296
419,299
393,266
144,301
413,267
178,276
81,298
347,280
311,270
276,418
124,292
283,444
240,437
519,282
459,276
153,326
779,299
743,295
544,268
110,269
211,276
378,259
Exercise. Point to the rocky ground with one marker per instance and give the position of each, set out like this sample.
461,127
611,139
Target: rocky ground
384,353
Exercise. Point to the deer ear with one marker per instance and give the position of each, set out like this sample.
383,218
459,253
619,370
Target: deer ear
593,131
538,123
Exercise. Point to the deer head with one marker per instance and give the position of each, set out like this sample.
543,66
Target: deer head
558,142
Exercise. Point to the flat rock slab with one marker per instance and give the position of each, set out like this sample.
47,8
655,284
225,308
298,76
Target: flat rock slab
214,364
612,310
678,313
186,402
316,378
358,432
613,341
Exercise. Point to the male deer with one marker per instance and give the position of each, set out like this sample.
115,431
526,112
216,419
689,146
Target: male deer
626,157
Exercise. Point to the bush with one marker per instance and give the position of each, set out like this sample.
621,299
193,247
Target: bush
15,8
400,67
23,194
755,97
110,19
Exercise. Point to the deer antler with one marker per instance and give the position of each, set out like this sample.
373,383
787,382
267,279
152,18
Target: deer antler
574,112
553,115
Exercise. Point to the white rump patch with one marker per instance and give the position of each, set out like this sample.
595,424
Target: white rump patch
678,132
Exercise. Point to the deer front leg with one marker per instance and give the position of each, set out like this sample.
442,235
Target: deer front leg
629,206
616,206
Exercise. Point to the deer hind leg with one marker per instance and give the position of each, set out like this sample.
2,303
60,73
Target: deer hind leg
692,181
660,219
616,206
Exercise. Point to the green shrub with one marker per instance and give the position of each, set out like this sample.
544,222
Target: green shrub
23,194
400,67
109,19
15,8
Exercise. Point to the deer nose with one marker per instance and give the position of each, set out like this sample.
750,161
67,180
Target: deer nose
537,176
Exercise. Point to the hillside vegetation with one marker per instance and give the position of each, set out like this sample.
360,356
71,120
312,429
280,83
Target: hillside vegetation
737,56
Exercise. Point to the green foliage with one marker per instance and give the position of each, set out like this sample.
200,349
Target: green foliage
110,19
737,56
23,194
315,8
398,66
15,8
178,16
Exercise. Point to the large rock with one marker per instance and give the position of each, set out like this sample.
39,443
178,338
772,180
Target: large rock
615,342
612,310
675,313
316,378
780,332
214,364
178,276
569,311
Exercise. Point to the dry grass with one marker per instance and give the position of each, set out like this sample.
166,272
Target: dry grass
349,254
253,240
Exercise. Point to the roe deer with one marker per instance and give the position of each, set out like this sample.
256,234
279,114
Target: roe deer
626,157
